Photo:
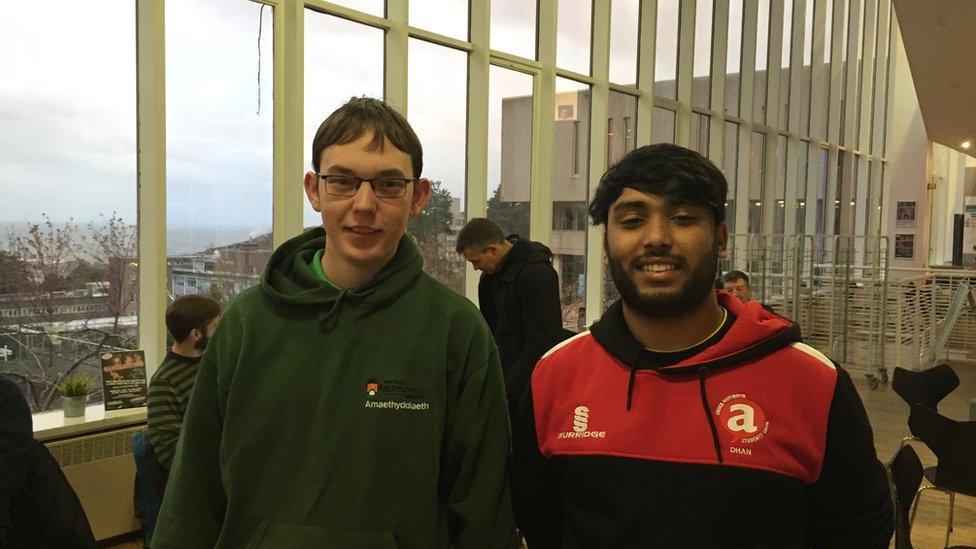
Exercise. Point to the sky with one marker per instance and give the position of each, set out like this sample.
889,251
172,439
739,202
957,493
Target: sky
68,98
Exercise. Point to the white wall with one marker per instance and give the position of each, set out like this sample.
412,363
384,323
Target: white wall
907,154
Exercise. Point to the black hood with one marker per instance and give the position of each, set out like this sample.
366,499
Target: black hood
523,252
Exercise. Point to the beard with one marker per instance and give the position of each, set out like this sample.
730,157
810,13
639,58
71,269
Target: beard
674,304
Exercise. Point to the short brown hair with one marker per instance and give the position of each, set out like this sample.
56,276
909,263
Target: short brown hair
190,312
350,121
478,234
734,276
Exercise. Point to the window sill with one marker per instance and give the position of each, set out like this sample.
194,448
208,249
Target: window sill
53,425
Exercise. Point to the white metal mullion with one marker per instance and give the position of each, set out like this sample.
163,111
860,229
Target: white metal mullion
544,99
351,14
720,41
747,71
645,71
395,83
773,160
151,169
288,120
880,81
476,168
795,147
599,107
837,69
816,91
866,72
684,75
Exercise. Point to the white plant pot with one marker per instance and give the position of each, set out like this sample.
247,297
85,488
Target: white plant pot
74,406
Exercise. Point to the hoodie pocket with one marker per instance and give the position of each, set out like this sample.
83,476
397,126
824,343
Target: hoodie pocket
285,535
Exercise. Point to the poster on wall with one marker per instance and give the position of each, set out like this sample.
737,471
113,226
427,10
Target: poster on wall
124,379
969,233
904,246
905,214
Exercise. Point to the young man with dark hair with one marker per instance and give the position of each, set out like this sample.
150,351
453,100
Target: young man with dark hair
686,418
350,400
519,297
191,321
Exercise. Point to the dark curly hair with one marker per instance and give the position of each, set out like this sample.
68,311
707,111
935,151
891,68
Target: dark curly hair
680,174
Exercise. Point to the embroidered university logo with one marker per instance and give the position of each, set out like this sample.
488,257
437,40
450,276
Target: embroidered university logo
581,422
744,419
372,387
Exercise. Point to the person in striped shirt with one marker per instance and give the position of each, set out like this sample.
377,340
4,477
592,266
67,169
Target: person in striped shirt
191,321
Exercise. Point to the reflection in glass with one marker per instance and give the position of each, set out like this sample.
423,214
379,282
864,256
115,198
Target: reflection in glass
757,174
332,76
440,121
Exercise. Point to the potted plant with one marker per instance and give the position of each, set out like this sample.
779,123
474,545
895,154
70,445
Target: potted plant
74,394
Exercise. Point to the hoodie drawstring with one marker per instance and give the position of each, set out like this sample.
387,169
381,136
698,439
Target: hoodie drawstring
708,413
630,386
328,319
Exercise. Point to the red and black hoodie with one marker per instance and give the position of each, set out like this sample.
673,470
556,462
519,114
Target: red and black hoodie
750,439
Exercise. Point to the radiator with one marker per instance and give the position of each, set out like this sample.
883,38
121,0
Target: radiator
101,470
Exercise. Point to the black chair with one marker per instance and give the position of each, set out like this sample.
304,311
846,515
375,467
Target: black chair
927,387
906,475
954,445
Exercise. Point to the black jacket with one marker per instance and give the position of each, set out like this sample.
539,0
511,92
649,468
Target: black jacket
38,508
520,302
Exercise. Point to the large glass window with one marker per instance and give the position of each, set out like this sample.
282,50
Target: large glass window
802,180
757,175
699,132
779,194
806,78
440,122
513,25
509,149
825,73
68,245
701,84
372,7
219,147
733,58
570,177
662,125
730,168
332,76
762,61
624,30
573,35
622,115
666,49
447,17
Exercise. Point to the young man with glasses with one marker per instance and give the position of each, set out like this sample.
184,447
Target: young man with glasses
685,418
350,400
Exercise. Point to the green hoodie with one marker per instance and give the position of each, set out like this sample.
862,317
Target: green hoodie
366,417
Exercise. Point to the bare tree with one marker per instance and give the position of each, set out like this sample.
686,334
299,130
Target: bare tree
67,306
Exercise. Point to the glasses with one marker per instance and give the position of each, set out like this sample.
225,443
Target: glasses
383,187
